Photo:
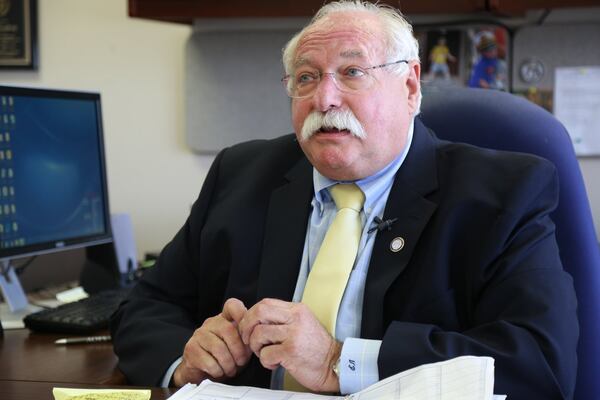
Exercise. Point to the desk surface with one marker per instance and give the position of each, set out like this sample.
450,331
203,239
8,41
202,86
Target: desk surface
29,356
31,365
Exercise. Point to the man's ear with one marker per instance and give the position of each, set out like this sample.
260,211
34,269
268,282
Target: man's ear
413,84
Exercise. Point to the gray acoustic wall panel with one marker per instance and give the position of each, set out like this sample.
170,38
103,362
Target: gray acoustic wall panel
555,45
233,90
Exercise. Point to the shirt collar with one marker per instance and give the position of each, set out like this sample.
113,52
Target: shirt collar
372,186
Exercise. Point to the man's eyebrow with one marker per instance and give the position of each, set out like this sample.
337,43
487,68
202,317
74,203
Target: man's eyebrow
352,54
344,54
301,61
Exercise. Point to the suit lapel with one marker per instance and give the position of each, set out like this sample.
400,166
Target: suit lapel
416,178
285,232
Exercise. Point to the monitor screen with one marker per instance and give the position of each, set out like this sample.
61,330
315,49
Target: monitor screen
53,192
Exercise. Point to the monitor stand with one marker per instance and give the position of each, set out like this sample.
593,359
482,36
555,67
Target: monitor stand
12,291
14,296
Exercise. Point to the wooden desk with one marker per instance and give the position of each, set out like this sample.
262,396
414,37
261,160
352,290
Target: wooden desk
31,365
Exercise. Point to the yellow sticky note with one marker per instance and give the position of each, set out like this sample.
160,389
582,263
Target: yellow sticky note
100,394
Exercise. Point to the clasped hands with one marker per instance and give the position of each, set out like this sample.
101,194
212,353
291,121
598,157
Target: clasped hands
279,333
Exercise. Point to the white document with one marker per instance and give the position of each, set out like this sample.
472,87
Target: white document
577,106
461,378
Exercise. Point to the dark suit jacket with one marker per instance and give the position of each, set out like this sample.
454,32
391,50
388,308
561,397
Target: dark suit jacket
479,273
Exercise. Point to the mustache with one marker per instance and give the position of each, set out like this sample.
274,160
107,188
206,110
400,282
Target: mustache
338,119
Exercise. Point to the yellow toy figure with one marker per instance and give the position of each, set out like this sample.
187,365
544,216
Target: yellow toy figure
439,57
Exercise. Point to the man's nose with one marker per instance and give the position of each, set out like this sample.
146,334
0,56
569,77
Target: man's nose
327,93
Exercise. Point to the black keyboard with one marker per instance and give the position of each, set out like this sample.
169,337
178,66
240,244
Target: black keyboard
84,316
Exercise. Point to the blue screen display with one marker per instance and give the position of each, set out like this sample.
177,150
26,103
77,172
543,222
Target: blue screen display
51,170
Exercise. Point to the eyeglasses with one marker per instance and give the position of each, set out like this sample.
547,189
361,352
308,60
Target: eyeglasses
304,83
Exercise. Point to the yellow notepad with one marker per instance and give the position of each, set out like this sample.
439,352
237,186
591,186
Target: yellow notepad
100,394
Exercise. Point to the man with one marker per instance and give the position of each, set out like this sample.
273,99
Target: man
454,252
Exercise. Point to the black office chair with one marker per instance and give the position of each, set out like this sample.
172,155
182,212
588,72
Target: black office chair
499,120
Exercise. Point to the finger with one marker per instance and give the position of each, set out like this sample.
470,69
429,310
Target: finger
196,357
207,363
277,303
234,310
268,311
264,335
184,373
238,350
271,356
218,349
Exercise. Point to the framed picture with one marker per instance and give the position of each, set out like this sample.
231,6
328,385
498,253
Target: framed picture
442,54
464,54
18,34
488,52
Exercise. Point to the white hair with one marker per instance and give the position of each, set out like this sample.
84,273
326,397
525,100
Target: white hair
400,42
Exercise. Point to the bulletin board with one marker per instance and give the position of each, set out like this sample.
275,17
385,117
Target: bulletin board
577,106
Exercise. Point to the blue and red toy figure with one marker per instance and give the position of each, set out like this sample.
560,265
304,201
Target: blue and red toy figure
486,69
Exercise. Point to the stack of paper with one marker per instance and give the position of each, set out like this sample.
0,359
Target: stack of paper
462,378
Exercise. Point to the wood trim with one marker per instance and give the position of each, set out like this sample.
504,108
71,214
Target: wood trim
188,10
520,7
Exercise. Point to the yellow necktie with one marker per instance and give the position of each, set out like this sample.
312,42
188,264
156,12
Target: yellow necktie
329,274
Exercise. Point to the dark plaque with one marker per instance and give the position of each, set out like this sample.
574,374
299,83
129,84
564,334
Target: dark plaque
18,31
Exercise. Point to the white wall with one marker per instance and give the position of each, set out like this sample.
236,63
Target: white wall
138,67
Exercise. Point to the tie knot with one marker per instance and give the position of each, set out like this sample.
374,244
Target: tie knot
347,196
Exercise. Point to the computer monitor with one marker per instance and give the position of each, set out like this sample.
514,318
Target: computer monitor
53,192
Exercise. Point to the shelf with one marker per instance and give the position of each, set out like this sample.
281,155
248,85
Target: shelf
185,11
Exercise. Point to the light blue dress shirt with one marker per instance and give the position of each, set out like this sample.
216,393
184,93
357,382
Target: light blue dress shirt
358,362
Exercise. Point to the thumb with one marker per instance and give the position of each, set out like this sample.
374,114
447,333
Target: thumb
234,310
